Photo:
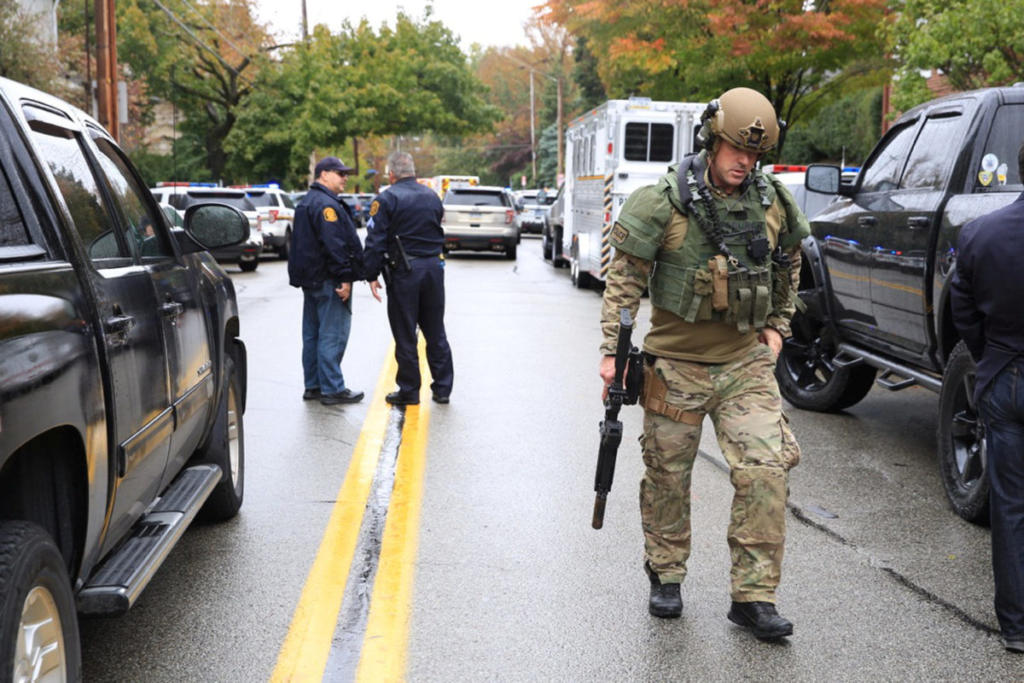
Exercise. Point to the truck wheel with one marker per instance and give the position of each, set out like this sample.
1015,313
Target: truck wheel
226,449
807,376
556,247
961,438
510,252
39,631
249,266
579,278
545,245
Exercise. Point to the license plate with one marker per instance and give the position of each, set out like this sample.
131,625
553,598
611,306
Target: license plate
497,247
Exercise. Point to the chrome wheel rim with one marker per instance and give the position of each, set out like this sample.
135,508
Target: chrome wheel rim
40,652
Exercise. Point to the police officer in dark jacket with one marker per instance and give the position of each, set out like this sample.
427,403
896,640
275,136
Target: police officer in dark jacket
324,260
404,241
987,292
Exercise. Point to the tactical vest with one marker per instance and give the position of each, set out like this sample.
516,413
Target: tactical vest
684,279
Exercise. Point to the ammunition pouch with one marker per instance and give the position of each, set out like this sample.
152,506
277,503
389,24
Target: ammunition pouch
653,399
742,297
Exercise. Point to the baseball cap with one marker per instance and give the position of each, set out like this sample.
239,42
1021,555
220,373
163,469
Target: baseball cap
331,164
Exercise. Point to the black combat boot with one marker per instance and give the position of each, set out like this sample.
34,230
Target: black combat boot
761,619
665,601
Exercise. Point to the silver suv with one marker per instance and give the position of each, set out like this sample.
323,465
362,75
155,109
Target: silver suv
480,218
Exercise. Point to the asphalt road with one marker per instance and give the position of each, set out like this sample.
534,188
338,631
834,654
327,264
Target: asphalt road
881,579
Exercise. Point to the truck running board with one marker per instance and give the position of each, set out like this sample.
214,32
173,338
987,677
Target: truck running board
895,375
116,585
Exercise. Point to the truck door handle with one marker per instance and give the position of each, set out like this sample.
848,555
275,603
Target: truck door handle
172,309
916,222
118,326
867,221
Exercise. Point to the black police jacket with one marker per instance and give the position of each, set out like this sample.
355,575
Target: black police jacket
325,245
407,210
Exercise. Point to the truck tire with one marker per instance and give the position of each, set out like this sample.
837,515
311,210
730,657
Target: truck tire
961,439
36,598
579,278
510,252
226,449
556,247
807,376
545,245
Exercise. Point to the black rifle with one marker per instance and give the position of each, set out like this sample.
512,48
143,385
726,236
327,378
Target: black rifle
625,389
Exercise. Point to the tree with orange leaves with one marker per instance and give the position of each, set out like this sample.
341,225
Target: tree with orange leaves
794,51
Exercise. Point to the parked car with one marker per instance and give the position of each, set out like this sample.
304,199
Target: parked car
277,216
184,195
122,380
480,218
552,233
533,207
296,197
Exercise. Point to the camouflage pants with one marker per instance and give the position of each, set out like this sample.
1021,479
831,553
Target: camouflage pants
743,401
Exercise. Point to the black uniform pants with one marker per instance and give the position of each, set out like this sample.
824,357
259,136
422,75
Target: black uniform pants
416,297
1002,407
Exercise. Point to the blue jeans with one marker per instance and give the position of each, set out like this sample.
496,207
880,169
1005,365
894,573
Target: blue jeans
1002,407
326,321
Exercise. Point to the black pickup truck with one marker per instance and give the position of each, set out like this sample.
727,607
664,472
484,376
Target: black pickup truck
122,380
876,272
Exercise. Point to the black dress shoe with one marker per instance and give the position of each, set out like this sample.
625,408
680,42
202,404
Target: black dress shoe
398,398
346,396
665,601
310,394
761,619
438,398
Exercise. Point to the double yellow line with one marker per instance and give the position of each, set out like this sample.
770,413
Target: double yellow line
304,654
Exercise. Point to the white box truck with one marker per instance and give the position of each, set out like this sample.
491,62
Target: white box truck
611,151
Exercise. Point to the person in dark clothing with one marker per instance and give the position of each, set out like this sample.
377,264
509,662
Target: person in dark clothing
987,291
324,260
404,240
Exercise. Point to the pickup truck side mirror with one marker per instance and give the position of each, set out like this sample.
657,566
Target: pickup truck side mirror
213,226
823,178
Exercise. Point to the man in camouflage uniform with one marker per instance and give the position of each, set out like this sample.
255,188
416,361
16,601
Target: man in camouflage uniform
717,242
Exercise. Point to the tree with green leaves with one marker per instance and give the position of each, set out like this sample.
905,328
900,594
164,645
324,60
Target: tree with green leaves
24,56
403,80
974,43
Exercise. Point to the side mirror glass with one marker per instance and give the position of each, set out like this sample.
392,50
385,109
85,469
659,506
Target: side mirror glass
216,225
823,178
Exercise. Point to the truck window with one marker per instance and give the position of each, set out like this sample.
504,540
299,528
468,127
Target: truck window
649,141
145,233
883,172
930,161
13,232
1004,141
81,194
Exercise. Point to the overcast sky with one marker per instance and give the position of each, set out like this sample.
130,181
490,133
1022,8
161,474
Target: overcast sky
473,21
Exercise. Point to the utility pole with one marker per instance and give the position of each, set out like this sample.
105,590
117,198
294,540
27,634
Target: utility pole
533,135
305,26
561,165
106,66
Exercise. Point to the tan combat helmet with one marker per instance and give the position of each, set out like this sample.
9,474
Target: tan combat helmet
744,117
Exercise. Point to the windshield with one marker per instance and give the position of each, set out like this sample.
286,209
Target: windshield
474,198
261,199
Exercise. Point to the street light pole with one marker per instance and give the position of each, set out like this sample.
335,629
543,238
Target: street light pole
533,136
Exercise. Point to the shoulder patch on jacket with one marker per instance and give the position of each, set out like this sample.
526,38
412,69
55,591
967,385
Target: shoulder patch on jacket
642,222
374,207
330,215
